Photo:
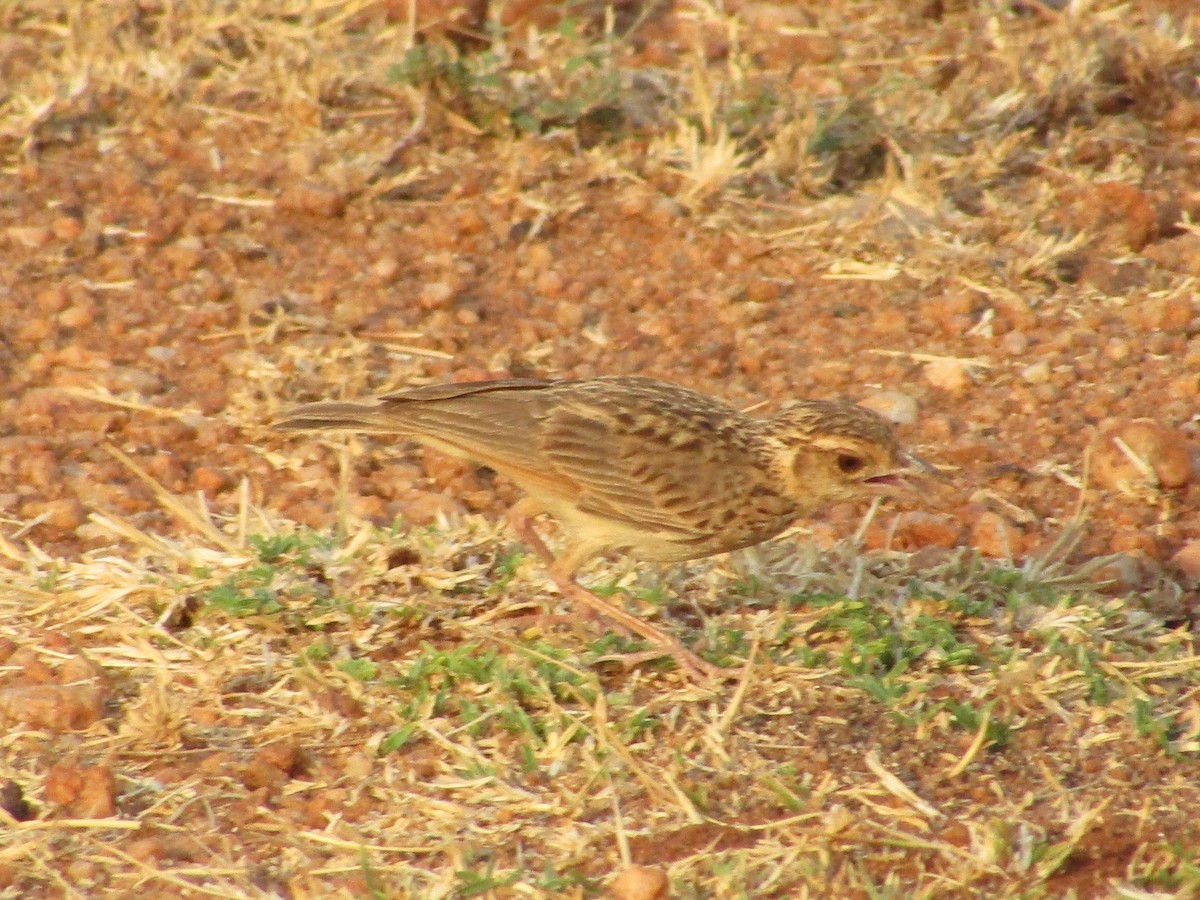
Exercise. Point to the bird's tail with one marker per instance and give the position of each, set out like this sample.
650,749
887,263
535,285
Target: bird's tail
326,416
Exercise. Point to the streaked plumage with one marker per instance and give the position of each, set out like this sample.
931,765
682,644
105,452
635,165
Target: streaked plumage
636,464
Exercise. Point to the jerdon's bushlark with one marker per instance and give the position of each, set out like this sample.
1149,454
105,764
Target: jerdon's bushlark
640,465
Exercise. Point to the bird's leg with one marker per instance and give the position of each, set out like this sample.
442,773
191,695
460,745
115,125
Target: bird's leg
520,518
562,572
695,667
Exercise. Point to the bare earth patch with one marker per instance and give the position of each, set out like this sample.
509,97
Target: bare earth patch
240,664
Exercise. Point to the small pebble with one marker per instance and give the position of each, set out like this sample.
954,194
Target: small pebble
895,406
549,284
311,198
65,514
1036,373
539,256
66,227
209,480
994,536
950,375
1116,349
1134,456
386,268
436,294
640,883
1187,560
79,316
29,236
1015,343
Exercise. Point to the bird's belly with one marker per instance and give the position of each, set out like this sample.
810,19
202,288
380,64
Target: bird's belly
638,541
660,545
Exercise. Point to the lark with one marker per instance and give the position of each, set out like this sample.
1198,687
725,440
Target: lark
639,465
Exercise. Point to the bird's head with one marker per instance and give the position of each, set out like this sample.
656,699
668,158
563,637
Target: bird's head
827,451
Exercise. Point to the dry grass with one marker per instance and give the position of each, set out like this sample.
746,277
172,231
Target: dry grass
222,703
315,715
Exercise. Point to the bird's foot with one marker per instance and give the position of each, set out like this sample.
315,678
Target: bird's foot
696,668
563,572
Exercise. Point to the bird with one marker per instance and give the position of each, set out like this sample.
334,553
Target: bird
659,471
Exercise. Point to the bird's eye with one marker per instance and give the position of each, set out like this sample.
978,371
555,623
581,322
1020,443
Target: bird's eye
849,463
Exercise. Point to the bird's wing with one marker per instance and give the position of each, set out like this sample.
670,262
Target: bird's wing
430,392
490,422
660,468
488,412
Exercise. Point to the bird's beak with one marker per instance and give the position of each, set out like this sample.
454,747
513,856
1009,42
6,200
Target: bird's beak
914,465
909,465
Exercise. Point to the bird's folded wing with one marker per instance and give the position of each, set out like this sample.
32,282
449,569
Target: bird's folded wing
494,423
435,392
653,472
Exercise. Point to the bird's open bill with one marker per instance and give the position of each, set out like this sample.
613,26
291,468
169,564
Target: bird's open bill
912,467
